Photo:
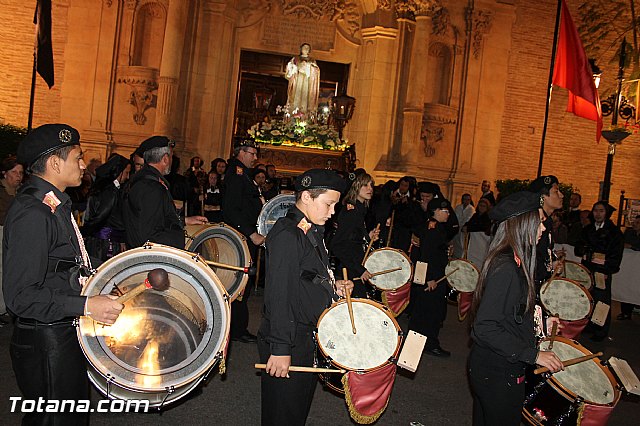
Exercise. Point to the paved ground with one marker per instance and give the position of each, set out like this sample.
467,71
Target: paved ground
436,395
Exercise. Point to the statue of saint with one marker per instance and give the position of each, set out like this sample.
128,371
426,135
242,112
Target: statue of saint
304,82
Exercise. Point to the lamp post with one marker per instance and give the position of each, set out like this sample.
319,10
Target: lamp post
616,135
341,111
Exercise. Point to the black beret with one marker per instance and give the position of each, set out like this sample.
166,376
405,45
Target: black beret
248,142
154,142
428,188
543,182
44,140
320,179
438,203
112,168
514,205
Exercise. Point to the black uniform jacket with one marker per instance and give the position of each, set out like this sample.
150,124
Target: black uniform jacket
607,240
350,239
37,242
298,287
544,253
502,329
149,213
241,202
434,246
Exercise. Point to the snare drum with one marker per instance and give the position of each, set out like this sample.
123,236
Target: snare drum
465,277
578,273
566,298
376,343
163,344
389,258
583,393
221,243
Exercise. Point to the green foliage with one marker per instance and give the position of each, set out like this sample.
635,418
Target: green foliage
509,186
10,136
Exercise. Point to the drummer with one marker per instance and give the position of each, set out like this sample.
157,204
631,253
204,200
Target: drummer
503,331
428,302
43,264
351,238
299,287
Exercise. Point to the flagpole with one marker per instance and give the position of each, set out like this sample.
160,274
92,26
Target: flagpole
549,86
33,92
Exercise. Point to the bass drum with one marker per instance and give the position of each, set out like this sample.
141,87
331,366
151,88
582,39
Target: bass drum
220,243
273,210
163,344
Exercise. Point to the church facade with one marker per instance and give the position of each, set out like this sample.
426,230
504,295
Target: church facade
451,91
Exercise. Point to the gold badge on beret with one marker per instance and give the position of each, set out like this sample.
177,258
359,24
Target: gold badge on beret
65,136
306,181
547,180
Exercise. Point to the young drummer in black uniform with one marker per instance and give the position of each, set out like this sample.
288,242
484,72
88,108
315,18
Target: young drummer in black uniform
350,240
299,287
504,340
44,264
428,302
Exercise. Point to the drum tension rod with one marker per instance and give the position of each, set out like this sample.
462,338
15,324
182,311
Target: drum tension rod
170,390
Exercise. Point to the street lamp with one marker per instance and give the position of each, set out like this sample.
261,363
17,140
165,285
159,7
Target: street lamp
615,135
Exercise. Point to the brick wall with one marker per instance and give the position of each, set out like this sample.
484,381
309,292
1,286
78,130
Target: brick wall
16,56
571,152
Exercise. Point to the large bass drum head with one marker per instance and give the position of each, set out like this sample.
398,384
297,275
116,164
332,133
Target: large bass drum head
163,343
273,210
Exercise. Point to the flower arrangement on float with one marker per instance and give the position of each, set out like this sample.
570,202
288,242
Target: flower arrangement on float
297,129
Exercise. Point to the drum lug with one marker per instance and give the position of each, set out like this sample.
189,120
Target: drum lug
110,380
147,245
169,390
195,258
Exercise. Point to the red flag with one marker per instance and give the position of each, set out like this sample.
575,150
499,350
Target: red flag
573,72
44,49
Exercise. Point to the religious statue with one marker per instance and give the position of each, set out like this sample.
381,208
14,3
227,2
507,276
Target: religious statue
304,82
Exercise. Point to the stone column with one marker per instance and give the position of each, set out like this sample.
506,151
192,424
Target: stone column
413,110
170,66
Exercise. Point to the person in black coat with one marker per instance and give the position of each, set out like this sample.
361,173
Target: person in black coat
103,228
148,209
241,205
351,237
480,221
428,302
502,313
601,249
299,287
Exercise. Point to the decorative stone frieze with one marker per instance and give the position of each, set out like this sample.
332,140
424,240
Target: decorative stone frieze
435,121
480,26
409,9
441,22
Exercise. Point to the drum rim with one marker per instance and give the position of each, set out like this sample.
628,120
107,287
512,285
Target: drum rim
406,258
263,212
464,261
218,347
564,391
577,284
240,286
584,268
383,308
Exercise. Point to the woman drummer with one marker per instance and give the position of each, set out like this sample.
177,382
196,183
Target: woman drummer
503,331
351,238
299,287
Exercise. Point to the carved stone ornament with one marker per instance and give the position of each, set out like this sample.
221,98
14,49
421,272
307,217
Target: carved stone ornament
108,3
131,4
142,82
321,10
384,4
441,22
430,136
481,25
409,9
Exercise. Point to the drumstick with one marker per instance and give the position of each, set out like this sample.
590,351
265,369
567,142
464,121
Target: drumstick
366,253
443,278
393,216
306,369
349,305
251,270
375,274
569,362
554,330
